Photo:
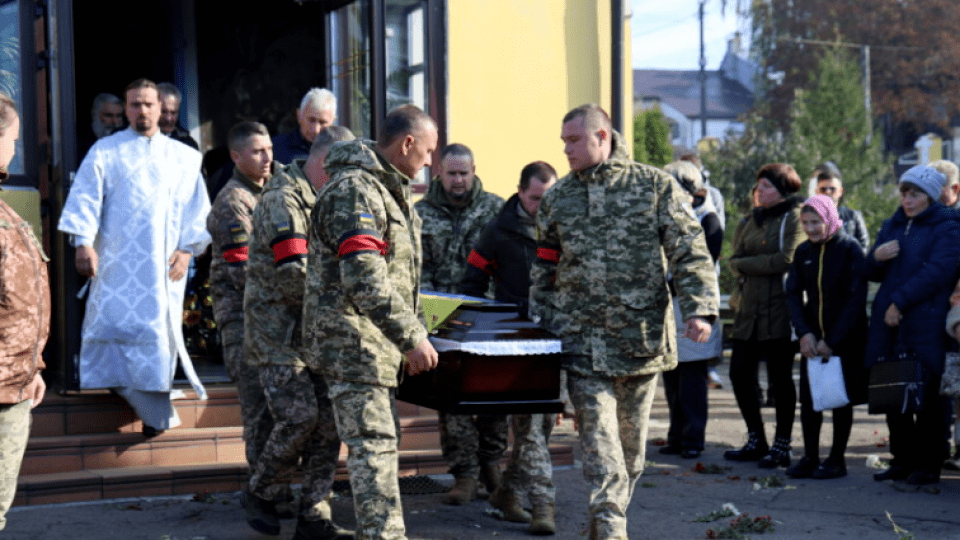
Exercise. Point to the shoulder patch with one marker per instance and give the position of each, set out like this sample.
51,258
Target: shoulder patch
238,234
283,227
364,220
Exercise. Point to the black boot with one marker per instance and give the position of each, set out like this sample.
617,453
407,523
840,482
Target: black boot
805,468
755,449
261,514
778,456
319,530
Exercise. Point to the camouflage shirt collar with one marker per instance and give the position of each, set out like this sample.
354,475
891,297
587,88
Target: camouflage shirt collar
619,157
395,181
250,184
295,171
438,197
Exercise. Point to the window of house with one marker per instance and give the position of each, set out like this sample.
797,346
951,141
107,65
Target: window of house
350,75
406,53
405,44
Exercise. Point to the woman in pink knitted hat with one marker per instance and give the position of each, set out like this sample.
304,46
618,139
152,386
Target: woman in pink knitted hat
827,296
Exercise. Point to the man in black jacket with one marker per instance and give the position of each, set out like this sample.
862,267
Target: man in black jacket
508,244
830,183
505,252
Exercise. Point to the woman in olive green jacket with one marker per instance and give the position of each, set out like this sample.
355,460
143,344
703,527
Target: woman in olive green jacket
763,248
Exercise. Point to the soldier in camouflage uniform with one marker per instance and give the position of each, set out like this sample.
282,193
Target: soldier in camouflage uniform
455,211
505,252
24,322
304,428
230,225
607,233
362,315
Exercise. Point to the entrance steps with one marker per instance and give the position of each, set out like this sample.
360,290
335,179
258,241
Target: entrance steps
88,446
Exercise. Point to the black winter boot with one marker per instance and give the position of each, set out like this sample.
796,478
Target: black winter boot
755,449
778,456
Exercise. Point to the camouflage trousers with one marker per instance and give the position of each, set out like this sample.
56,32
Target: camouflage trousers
14,432
467,440
257,422
303,427
530,469
612,415
366,423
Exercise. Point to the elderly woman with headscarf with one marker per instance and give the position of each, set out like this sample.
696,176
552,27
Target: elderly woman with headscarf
763,248
827,298
915,259
686,385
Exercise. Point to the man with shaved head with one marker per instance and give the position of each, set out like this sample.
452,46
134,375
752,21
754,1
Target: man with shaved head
303,430
362,317
599,282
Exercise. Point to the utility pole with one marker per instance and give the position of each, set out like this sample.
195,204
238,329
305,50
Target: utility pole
866,91
703,78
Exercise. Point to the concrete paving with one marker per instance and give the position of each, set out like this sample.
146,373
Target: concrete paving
669,498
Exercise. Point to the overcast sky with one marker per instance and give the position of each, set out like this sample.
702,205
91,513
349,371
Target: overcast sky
666,35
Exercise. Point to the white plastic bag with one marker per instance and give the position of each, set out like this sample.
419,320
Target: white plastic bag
827,388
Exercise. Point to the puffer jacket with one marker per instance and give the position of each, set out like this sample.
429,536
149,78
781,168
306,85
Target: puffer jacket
919,281
24,305
763,248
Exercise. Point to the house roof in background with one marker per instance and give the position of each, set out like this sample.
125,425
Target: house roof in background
726,98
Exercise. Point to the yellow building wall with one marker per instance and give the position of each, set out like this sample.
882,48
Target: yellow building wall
515,68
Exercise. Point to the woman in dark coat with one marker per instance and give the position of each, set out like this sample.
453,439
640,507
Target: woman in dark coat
763,249
915,259
827,297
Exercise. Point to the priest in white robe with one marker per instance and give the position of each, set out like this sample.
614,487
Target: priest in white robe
136,213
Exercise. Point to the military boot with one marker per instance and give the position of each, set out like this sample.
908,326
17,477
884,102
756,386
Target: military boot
490,475
507,501
543,519
322,529
463,491
261,514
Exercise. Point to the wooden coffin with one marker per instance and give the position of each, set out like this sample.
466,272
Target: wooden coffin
491,362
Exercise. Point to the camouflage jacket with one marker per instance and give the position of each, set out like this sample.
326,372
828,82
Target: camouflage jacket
229,224
25,309
607,236
451,232
362,306
277,268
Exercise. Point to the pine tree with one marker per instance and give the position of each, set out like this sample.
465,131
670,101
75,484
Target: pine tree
659,149
829,122
651,138
639,138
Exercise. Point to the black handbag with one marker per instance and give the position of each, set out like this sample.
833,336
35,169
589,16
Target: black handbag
896,383
895,387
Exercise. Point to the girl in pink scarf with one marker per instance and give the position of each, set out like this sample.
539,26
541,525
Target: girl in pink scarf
829,221
826,295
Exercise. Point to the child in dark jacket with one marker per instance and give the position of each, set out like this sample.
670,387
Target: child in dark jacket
829,268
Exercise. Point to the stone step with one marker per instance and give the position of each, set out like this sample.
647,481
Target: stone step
169,476
88,446
66,453
100,411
